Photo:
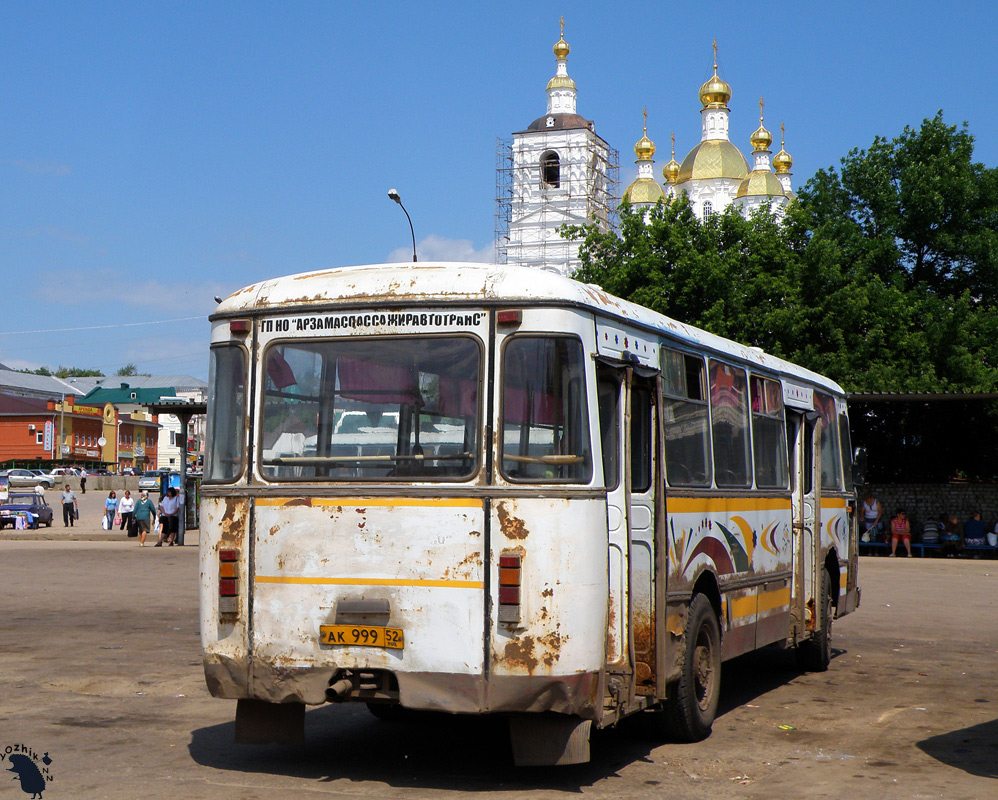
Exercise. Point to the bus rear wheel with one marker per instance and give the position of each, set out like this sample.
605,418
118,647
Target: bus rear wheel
691,706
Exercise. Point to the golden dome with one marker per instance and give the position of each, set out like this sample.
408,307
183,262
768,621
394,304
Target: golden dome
761,139
561,46
760,183
671,170
782,162
715,92
561,82
713,158
644,148
644,190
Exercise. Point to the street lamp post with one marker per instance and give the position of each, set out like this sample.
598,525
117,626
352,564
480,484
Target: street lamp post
394,195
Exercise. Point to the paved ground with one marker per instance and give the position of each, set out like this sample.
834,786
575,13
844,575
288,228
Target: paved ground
100,670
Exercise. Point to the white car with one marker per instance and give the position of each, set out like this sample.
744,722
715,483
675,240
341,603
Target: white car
26,477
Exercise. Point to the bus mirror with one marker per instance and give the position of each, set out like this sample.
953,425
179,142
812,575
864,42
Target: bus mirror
859,466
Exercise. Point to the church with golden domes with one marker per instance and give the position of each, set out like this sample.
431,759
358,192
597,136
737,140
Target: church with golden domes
559,172
715,174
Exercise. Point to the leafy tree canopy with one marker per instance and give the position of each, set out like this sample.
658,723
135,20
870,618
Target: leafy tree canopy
882,276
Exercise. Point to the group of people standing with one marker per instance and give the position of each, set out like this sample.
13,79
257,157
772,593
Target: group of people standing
137,517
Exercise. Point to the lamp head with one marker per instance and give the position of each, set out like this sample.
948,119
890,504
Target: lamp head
394,195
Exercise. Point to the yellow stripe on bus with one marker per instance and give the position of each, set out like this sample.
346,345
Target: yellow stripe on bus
757,604
298,581
693,505
368,502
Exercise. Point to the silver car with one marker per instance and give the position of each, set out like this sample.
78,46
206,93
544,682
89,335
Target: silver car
27,477
149,482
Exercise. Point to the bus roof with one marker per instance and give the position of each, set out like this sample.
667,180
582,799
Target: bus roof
476,283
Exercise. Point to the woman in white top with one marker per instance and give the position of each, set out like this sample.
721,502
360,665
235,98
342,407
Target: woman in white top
873,514
125,508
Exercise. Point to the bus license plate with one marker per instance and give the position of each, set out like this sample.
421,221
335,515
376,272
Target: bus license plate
362,636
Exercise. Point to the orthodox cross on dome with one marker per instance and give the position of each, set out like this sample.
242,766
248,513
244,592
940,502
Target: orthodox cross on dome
761,105
715,55
646,121
561,21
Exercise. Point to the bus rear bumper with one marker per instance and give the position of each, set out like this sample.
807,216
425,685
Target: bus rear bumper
578,694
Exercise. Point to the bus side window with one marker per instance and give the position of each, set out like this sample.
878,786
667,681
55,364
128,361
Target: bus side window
641,438
685,419
729,424
768,435
831,477
608,393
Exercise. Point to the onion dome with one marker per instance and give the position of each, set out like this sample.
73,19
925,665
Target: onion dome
671,170
644,190
561,50
644,148
761,139
782,162
715,92
713,158
760,183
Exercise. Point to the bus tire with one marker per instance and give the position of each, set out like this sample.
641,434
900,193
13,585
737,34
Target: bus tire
691,705
815,654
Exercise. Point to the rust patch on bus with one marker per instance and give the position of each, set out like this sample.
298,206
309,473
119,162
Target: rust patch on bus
232,523
644,647
273,531
298,501
512,527
526,653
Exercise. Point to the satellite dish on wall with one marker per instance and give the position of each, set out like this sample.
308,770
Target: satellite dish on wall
102,441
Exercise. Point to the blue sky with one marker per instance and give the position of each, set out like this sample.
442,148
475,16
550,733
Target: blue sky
153,155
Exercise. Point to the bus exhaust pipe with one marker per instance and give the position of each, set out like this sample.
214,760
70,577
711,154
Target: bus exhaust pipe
337,692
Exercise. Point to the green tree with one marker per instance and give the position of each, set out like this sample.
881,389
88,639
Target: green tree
917,209
127,370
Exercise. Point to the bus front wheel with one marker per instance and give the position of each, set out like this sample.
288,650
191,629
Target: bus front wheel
691,705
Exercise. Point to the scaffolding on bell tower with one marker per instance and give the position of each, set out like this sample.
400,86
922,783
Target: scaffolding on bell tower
547,179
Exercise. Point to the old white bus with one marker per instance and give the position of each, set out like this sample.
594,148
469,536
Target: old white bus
494,490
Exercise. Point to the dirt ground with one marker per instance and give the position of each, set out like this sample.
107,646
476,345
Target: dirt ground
100,671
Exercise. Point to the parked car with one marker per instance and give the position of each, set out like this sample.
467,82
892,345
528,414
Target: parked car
101,472
35,506
128,471
27,477
4,483
64,472
149,481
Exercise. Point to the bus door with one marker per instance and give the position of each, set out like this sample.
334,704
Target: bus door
627,420
804,440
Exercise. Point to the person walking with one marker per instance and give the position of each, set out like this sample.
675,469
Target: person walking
70,508
169,516
83,481
145,515
126,508
110,509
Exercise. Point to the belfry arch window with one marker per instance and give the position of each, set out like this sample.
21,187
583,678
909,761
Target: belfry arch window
550,170
708,208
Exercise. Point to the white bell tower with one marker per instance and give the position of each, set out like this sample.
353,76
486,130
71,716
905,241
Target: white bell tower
556,172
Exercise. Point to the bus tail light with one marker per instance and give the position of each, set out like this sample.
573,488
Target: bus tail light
239,327
510,316
228,581
509,587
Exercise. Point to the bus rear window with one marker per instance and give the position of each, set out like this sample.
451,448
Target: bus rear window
545,420
371,409
226,431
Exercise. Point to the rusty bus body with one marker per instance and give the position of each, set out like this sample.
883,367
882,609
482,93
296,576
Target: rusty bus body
564,507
